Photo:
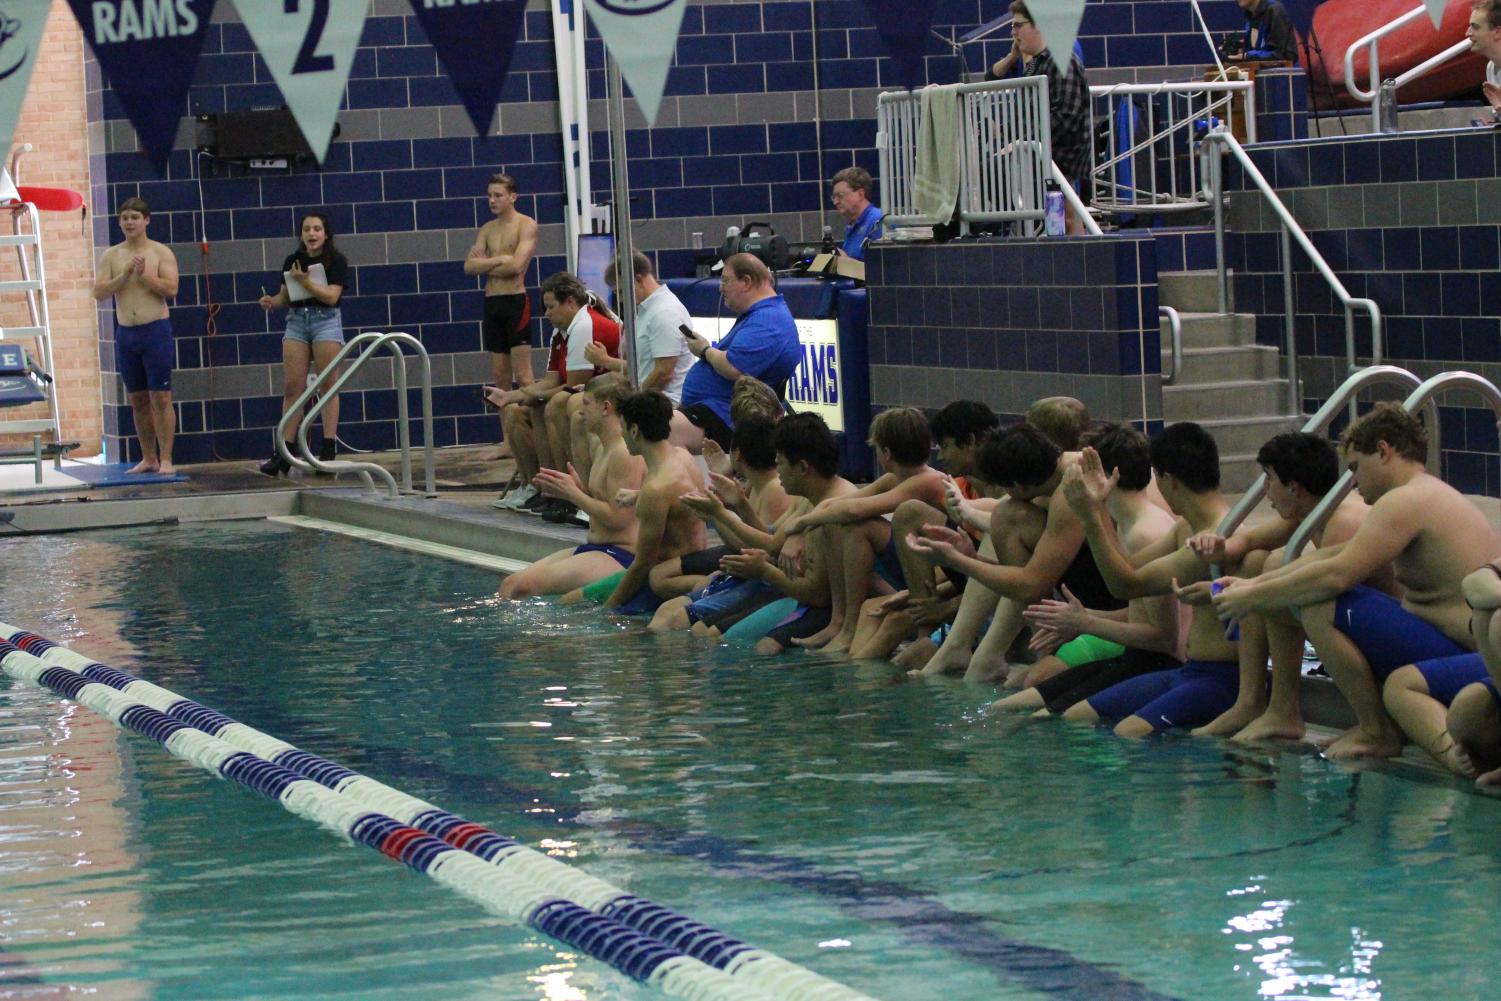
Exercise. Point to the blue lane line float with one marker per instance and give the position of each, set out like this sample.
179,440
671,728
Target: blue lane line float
642,939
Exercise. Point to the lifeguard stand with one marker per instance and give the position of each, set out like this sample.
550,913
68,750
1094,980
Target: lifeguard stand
31,381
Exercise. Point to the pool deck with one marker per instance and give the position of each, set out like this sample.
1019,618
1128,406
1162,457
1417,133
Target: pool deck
459,523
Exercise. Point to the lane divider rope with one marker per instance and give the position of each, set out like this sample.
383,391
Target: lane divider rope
636,936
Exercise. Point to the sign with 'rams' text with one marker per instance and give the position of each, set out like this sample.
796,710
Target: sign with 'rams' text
148,50
642,36
309,47
473,42
817,386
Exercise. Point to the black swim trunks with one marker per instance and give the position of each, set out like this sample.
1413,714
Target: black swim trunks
507,322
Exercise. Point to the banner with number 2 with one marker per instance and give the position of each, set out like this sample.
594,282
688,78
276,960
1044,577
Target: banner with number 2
309,46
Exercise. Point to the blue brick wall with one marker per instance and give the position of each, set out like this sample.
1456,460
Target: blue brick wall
1411,222
398,186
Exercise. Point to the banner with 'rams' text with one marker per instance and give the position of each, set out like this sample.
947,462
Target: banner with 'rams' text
474,43
147,50
309,47
903,26
642,35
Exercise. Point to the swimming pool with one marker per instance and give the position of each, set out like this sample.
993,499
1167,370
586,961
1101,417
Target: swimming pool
887,834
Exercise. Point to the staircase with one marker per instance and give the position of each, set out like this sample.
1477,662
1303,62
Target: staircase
1230,384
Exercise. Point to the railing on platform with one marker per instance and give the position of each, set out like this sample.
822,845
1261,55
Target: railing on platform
1214,176
1151,131
1008,152
898,121
1372,44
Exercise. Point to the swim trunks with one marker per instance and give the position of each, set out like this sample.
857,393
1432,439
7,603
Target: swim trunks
599,592
622,556
1445,676
1078,683
705,561
1085,649
507,322
1388,635
760,621
800,625
1189,696
889,565
145,354
728,595
1084,580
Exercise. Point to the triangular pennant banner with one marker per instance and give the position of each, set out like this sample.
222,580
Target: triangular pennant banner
642,36
1058,20
474,45
1436,10
1300,12
147,51
309,46
903,26
21,24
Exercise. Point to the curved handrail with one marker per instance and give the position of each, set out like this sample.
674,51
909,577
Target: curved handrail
1421,396
1370,40
1374,375
1175,336
1292,229
375,341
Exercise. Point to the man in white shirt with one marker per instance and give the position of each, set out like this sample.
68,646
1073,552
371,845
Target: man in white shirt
662,355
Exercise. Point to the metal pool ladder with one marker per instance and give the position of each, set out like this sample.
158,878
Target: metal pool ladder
369,343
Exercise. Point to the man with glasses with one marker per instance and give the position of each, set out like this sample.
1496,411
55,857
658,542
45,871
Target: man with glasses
763,344
1068,97
851,198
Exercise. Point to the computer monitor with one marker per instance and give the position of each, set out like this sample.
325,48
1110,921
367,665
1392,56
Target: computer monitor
596,251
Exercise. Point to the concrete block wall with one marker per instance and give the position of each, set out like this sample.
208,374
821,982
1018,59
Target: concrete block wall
1410,221
736,140
1007,322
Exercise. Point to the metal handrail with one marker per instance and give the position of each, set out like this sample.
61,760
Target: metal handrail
1175,336
1422,396
375,342
1317,424
1072,197
1105,175
1371,41
1290,231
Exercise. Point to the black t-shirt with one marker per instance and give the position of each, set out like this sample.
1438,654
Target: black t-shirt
335,268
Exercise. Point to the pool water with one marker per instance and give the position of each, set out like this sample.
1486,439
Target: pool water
889,834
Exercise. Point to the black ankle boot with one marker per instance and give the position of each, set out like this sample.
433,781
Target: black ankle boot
326,450
276,465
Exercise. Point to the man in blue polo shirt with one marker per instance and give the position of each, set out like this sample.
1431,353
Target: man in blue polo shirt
851,196
763,344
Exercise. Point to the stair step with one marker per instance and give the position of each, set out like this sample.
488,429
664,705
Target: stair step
1211,330
1253,362
31,285
1211,400
1246,435
1192,291
14,333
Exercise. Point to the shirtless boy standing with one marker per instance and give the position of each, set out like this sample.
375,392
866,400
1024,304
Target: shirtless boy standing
502,252
142,275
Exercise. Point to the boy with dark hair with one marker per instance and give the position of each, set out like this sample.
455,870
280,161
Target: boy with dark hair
1432,536
859,533
1186,462
1038,542
1096,649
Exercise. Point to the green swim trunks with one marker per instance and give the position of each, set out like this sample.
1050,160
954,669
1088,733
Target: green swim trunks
599,592
1084,649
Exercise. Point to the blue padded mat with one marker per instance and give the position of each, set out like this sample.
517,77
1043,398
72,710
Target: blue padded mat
115,475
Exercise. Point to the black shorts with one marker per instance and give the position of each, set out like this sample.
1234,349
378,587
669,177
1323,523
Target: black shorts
507,322
1079,683
701,416
809,622
704,561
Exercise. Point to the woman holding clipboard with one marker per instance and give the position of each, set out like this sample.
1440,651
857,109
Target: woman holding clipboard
313,282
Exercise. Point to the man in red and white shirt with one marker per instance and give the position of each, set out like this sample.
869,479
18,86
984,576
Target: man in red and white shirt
578,321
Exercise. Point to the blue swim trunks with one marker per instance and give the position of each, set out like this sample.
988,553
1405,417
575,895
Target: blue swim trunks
1388,635
889,565
1447,675
1189,696
723,594
145,355
621,556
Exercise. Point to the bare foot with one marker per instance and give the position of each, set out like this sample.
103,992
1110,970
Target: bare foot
1269,726
1231,721
167,469
142,467
950,662
574,597
819,639
838,645
1017,676
1489,779
1358,743
1020,702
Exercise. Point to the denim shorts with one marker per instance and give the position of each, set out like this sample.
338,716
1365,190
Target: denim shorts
311,324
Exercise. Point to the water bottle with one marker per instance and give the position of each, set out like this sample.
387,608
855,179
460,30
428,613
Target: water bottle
828,240
1053,224
1232,633
1388,113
